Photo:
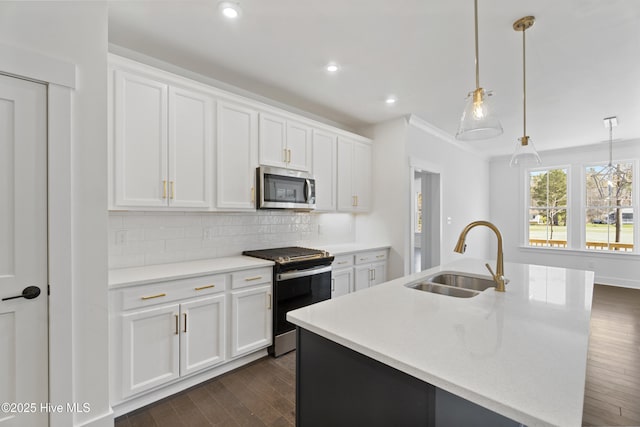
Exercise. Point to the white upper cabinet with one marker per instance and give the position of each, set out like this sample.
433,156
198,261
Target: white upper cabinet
162,144
237,150
354,175
284,143
141,142
190,154
325,163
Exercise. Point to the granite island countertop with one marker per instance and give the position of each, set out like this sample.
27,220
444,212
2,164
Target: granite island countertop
521,353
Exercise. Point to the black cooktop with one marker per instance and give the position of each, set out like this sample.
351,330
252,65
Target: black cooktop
289,254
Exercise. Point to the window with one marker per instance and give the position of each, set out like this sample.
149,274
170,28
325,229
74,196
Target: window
548,208
608,210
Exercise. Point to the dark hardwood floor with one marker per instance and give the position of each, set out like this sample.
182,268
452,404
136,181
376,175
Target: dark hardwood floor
263,393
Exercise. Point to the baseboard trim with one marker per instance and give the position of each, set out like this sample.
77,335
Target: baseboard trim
103,420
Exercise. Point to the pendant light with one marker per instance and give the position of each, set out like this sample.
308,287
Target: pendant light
478,121
605,178
525,152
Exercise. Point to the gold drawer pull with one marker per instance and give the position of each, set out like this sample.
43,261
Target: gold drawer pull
164,188
153,296
363,259
250,279
205,287
177,323
342,262
269,301
173,190
380,256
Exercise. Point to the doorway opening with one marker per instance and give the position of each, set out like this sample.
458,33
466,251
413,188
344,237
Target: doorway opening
425,241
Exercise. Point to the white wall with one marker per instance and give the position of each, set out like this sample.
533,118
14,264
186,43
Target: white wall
507,211
146,238
77,32
464,177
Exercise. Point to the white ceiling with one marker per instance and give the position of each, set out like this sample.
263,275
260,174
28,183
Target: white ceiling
583,59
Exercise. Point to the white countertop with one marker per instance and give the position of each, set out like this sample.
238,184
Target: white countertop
346,248
181,270
521,353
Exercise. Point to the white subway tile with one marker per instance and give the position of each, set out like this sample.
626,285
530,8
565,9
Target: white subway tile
163,233
183,244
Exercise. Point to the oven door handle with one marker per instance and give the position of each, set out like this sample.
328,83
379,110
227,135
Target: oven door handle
303,273
307,187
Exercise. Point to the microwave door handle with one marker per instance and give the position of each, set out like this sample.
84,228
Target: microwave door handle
307,186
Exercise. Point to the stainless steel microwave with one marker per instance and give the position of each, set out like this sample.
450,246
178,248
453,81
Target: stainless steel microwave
285,189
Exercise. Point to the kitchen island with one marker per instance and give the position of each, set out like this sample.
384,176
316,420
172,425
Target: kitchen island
393,355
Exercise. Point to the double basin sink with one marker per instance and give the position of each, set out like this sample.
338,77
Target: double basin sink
453,284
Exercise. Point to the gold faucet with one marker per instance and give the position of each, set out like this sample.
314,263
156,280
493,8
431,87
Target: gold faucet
498,276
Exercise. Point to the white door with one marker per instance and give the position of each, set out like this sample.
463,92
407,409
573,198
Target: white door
341,282
346,196
23,252
362,158
324,170
298,146
250,319
140,108
273,146
203,333
363,277
190,157
237,150
378,273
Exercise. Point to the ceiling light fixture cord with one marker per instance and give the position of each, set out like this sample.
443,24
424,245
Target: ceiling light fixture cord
475,9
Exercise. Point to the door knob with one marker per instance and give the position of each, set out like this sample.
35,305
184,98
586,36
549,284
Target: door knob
30,292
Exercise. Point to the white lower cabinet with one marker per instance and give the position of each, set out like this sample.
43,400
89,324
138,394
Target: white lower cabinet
356,271
150,348
341,282
164,332
251,320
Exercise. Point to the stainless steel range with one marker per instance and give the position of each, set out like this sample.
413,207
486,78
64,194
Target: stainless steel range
301,276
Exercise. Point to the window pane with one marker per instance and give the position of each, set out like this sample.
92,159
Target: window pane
609,216
548,208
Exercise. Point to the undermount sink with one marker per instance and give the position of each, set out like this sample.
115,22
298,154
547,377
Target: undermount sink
453,284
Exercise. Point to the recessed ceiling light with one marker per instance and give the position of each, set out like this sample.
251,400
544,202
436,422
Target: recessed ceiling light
332,67
391,100
229,9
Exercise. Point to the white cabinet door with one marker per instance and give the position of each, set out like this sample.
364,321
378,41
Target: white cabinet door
202,341
150,348
298,146
140,138
237,150
362,158
341,282
190,142
379,273
273,143
324,170
250,319
346,198
363,277
354,176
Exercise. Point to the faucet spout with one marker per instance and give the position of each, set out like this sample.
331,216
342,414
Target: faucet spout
498,276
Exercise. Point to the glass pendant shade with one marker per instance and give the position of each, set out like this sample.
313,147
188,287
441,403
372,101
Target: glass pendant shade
478,119
525,153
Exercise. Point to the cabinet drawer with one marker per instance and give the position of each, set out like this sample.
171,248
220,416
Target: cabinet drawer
242,279
342,261
173,290
373,256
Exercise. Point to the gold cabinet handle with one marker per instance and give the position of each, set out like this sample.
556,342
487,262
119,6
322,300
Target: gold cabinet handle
173,190
268,301
284,152
250,279
154,296
177,321
380,256
333,284
353,200
204,287
253,195
164,188
185,322
289,158
341,262
356,200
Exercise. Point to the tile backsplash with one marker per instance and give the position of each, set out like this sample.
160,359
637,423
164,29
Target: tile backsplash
145,238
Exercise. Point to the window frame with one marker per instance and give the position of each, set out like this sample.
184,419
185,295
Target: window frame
527,205
576,208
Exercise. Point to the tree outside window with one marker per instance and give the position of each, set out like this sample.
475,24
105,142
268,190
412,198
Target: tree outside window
548,208
609,212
